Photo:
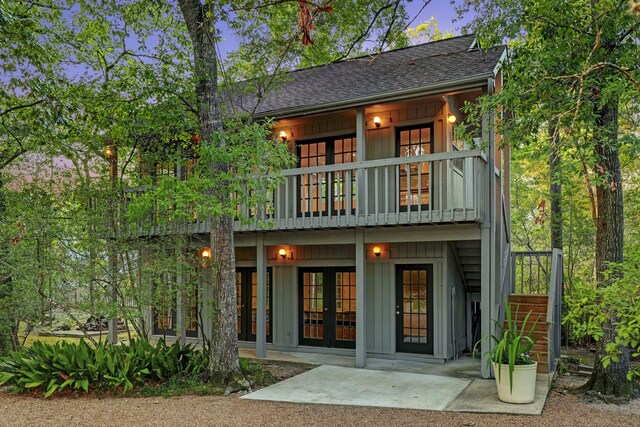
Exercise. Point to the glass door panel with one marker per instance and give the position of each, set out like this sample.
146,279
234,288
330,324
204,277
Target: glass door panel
414,179
414,309
328,297
254,303
345,319
247,303
313,307
344,182
312,187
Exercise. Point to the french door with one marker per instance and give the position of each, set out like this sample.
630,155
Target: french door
327,306
414,309
320,191
247,303
414,178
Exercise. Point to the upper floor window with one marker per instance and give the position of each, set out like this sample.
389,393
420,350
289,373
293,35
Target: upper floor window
414,177
321,190
415,141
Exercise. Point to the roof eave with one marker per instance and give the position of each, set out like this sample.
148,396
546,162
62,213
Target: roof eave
466,83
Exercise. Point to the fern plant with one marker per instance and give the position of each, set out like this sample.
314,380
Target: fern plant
56,367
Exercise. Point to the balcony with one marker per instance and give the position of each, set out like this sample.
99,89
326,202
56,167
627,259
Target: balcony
435,188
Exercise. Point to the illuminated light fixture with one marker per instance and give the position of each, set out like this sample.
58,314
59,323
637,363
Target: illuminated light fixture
283,136
377,251
452,118
205,253
377,121
283,253
108,151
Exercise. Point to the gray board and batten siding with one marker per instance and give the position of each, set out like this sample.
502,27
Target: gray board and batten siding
380,290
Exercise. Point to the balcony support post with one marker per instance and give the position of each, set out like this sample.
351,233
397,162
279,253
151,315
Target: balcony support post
181,327
361,131
361,305
261,300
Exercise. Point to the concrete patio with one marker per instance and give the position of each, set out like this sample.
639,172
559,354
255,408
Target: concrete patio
455,386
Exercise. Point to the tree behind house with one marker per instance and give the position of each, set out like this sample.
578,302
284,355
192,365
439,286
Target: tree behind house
574,63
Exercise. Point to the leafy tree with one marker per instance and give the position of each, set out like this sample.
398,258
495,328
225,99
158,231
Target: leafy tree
428,31
133,84
573,63
29,109
263,25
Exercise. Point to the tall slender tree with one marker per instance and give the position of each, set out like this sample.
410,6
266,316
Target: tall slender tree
574,62
300,19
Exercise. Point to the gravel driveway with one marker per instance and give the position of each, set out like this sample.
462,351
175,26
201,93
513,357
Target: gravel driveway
560,410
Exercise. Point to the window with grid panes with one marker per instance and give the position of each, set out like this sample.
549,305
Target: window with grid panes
315,189
414,178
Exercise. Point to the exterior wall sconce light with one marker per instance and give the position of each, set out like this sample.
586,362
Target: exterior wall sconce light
377,121
452,118
283,136
110,151
377,251
205,253
283,253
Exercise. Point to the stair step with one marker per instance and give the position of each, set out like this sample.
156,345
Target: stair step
471,268
533,317
472,275
540,323
473,252
470,260
468,244
531,299
525,308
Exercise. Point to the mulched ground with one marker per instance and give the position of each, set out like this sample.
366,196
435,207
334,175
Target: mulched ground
561,410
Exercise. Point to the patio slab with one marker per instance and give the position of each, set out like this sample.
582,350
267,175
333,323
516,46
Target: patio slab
337,385
455,386
482,396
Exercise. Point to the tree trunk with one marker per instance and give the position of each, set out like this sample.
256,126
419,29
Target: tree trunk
5,282
555,195
611,380
555,187
223,357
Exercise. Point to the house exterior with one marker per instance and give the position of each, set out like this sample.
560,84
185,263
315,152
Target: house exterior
390,238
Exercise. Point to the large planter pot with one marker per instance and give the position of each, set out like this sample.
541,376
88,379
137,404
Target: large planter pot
524,382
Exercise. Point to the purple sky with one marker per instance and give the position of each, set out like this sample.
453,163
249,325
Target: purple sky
442,10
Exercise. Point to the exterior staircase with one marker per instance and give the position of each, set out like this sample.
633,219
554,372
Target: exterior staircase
537,305
468,253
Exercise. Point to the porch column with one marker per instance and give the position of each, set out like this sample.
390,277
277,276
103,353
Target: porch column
261,300
360,157
361,305
181,327
485,299
206,307
488,277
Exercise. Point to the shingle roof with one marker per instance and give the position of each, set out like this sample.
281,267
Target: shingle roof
413,68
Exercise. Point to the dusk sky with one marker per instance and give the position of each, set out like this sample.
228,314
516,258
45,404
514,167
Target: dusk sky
442,10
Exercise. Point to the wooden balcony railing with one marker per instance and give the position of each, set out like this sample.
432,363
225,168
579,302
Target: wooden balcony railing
434,188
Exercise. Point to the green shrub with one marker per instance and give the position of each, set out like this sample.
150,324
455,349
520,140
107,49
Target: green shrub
55,367
593,310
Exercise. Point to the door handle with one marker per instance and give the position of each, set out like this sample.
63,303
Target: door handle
398,313
326,309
